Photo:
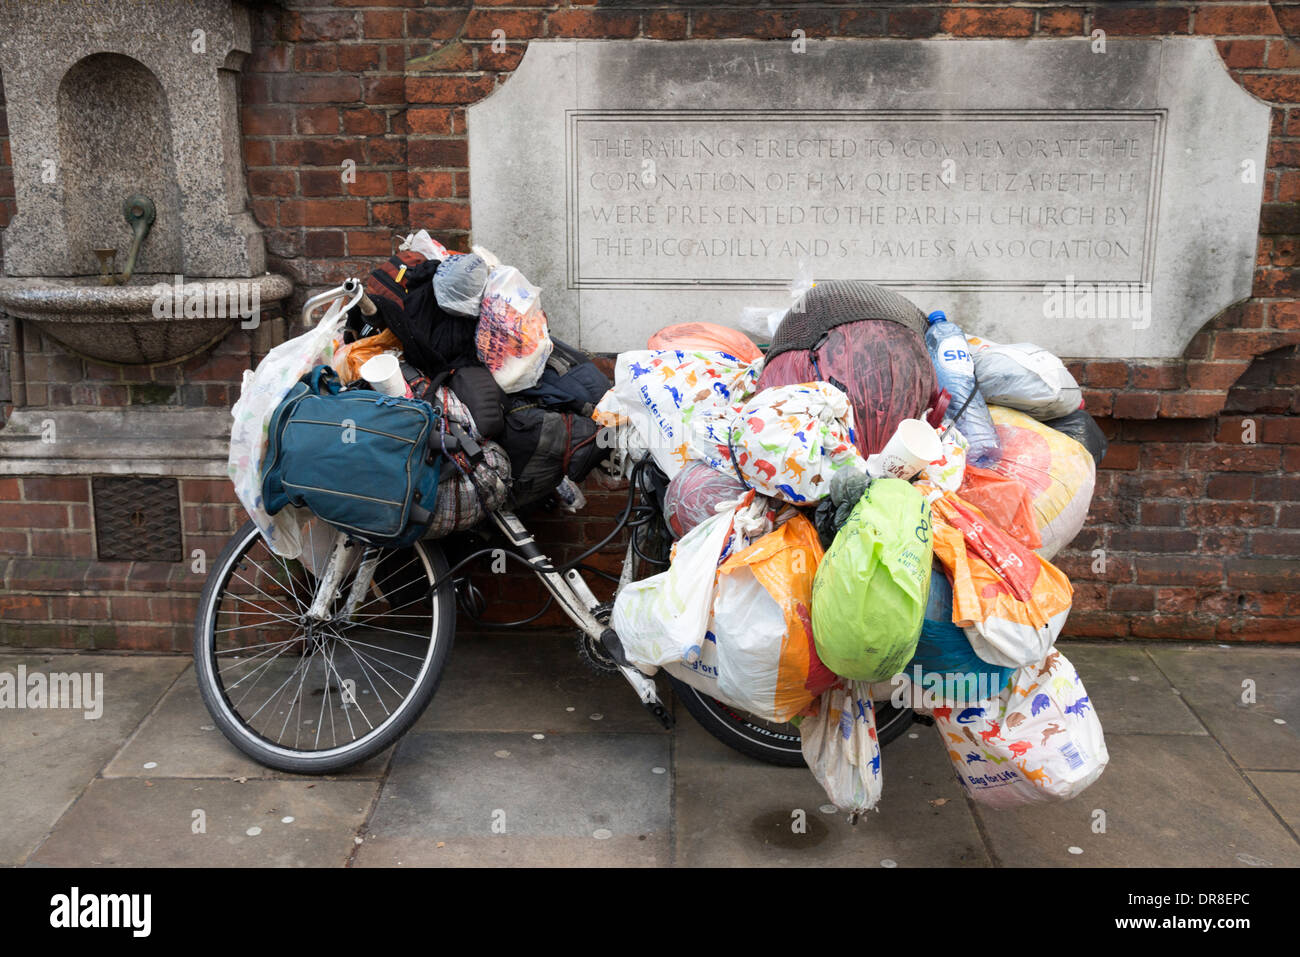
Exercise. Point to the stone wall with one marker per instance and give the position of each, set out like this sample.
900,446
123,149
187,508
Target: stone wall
1200,530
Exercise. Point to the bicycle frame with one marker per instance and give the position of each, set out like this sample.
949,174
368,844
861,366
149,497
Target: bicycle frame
566,585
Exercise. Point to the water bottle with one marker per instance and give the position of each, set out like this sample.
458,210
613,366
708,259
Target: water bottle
951,355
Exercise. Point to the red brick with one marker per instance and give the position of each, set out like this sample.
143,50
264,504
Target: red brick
1121,457
315,89
383,90
364,121
1105,375
29,516
988,22
1283,54
1231,486
1136,405
1158,377
1236,21
383,24
1235,458
665,25
323,212
437,152
266,120
1214,375
439,24
1262,574
1097,624
1190,405
1139,18
323,243
358,58
1176,626
1277,87
318,26
1066,22
1163,540
516,24
1230,514
448,89
10,490
1178,570
1278,430
1130,598
24,608
369,243
313,58
1242,53
1161,513
592,23
434,120
503,60
437,215
1098,403
56,489
61,543
1284,543
318,120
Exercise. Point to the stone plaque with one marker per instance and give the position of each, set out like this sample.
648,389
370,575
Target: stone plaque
1098,203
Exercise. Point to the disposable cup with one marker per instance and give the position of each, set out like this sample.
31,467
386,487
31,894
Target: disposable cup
385,374
913,446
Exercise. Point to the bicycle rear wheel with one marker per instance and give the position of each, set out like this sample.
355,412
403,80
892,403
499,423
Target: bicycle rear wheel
774,743
315,697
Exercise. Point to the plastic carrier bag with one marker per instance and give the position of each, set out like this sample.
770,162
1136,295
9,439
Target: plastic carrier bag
944,659
708,336
665,617
695,493
786,441
459,283
512,339
871,588
1004,501
260,394
841,748
663,393
762,622
1011,602
1038,740
1026,377
1057,470
950,470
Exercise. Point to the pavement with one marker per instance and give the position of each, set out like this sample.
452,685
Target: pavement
525,758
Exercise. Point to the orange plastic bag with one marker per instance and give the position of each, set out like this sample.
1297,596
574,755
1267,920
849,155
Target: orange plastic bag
1011,602
690,336
349,360
762,623
1005,501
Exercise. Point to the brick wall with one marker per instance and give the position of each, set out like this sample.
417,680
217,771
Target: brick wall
1198,528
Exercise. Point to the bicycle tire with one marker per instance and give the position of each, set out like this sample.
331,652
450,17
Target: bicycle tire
275,755
761,741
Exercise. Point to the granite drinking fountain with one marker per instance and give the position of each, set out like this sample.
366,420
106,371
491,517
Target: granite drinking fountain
133,243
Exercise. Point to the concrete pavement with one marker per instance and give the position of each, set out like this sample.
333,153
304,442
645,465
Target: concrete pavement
524,758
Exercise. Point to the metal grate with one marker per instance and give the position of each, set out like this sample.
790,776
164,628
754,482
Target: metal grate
137,519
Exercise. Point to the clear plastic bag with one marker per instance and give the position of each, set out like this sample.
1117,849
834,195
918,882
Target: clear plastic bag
512,338
459,283
841,747
263,389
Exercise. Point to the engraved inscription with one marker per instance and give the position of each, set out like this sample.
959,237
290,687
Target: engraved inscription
964,199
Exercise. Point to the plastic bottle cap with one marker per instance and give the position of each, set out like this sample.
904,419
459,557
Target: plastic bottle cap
936,316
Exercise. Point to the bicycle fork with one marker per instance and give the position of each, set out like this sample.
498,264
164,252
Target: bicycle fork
578,602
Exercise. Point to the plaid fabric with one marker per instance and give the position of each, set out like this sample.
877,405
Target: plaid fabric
467,492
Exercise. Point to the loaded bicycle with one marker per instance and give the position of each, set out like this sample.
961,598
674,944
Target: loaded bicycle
312,664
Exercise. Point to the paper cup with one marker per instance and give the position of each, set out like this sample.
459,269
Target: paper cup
913,446
385,374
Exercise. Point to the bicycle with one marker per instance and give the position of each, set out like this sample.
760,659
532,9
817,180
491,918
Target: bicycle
348,642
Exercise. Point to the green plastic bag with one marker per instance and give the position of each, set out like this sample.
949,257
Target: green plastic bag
869,595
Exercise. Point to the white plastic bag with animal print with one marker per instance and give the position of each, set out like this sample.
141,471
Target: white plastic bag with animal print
1039,740
840,746
663,392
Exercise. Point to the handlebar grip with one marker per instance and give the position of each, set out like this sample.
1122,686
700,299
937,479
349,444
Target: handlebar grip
367,306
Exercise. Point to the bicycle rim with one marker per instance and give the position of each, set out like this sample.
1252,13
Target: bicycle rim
284,689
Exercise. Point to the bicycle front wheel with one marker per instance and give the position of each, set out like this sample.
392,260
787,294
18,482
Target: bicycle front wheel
314,697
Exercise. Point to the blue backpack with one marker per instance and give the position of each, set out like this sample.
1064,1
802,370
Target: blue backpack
358,459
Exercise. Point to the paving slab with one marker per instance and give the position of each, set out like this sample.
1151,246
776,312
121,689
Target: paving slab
135,822
528,683
735,811
1169,801
180,740
1281,789
1130,693
48,756
567,799
1210,680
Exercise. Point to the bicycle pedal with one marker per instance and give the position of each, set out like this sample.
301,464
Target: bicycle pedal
661,714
